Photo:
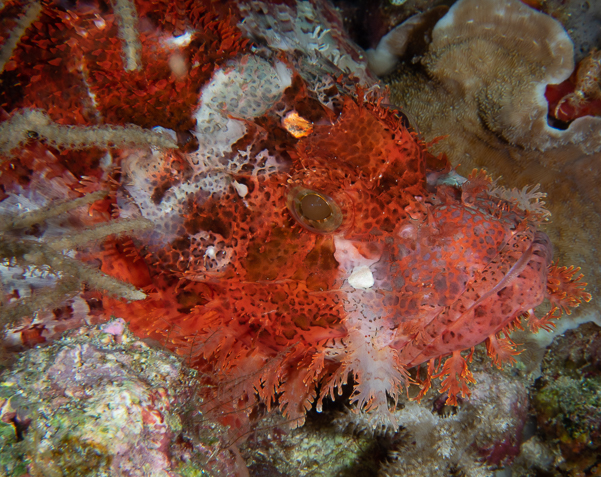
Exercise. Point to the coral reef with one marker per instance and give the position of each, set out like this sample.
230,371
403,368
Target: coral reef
475,438
580,94
235,170
483,434
582,21
319,448
100,402
567,398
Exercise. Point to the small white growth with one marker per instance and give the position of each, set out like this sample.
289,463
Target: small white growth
384,59
322,88
166,132
179,41
241,189
530,200
445,447
24,281
361,278
381,60
209,253
353,263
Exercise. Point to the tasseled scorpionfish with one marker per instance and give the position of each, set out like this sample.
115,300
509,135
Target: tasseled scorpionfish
304,234
361,255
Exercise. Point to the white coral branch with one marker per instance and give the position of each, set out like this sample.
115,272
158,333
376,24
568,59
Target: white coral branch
34,123
528,198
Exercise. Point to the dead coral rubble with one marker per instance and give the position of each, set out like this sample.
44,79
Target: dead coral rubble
100,402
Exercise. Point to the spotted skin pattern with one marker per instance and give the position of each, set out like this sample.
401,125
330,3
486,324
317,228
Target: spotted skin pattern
264,306
419,267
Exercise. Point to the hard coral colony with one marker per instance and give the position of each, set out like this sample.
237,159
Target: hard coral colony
302,233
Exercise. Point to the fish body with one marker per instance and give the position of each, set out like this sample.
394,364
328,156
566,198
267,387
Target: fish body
302,233
360,254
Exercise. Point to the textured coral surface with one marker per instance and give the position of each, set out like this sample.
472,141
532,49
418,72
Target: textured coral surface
100,402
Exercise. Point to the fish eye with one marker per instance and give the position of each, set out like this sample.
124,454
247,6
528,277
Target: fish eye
314,210
315,207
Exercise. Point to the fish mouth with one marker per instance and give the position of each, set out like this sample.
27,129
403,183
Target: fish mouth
486,316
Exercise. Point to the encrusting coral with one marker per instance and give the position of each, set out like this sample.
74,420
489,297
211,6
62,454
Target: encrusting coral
100,402
567,398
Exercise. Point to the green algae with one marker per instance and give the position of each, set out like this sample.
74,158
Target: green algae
572,406
13,461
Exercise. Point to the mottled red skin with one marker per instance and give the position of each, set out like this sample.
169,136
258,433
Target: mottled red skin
265,326
66,55
452,266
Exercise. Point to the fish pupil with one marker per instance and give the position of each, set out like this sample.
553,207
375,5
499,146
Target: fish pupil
314,207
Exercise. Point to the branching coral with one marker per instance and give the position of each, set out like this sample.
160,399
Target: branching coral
35,124
52,256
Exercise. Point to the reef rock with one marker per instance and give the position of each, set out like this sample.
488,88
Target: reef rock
100,402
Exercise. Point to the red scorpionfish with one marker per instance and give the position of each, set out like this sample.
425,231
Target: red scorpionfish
359,254
363,256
